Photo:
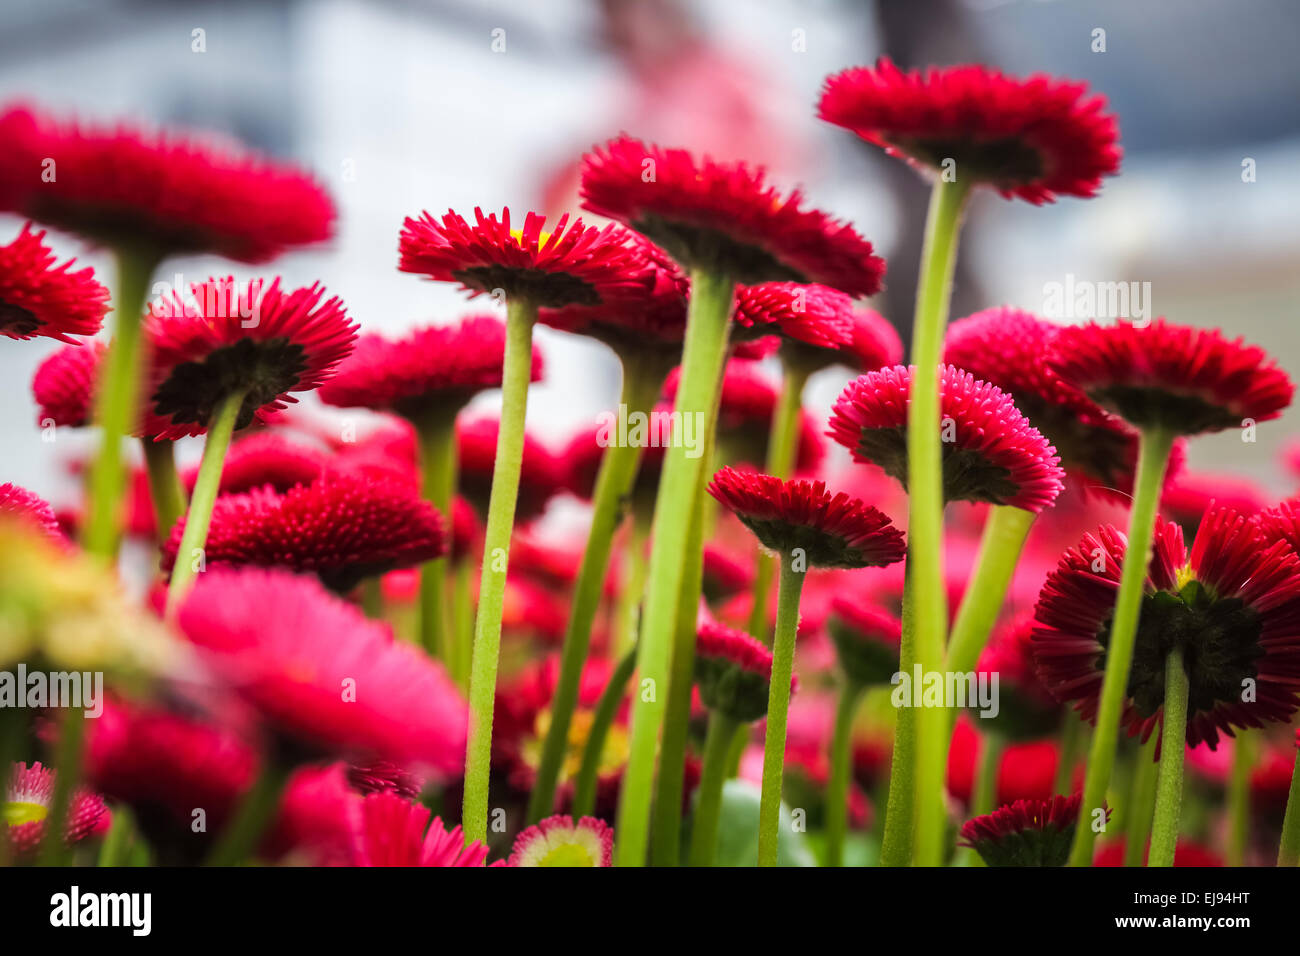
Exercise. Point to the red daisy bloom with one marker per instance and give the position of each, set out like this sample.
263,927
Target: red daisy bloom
394,831
64,385
1008,347
1027,771
266,459
381,776
990,451
1030,138
1027,710
541,478
1232,606
807,315
1282,523
322,675
342,528
875,343
38,299
571,265
27,506
724,574
254,337
562,841
733,672
27,806
867,640
1173,377
1026,833
833,531
317,820
725,217
165,191
429,368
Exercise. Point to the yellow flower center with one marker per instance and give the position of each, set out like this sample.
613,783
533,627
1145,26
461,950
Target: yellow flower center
17,813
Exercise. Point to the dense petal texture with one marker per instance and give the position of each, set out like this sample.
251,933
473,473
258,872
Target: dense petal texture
833,531
814,315
396,832
30,507
1026,833
37,298
163,191
1030,138
725,218
26,809
562,841
1173,377
64,385
733,671
990,450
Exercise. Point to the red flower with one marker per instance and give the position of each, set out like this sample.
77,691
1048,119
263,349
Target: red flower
29,507
1170,376
340,527
733,672
1190,494
562,841
229,338
1031,138
430,368
874,342
1026,833
1186,853
396,832
64,385
1232,607
725,575
572,265
1026,771
162,191
812,315
27,807
833,531
541,478
38,299
725,217
266,459
322,675
990,451
1008,347
867,640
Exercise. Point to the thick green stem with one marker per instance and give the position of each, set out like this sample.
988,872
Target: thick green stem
896,843
206,486
1169,780
1004,536
462,621
517,371
708,795
121,834
437,438
925,506
1153,457
165,489
697,394
632,587
782,453
1243,758
984,792
1073,735
1288,851
117,399
1141,804
778,709
584,790
614,481
837,790
67,767
239,839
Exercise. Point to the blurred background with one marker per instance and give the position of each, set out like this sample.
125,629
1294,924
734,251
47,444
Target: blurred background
400,106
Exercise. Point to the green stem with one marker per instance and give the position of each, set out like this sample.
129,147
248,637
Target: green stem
708,795
68,759
1169,780
165,489
925,506
782,453
121,834
1243,758
778,709
1288,851
984,792
436,430
1073,735
517,371
117,399
896,843
1153,457
1141,804
239,839
584,790
837,790
206,486
632,587
614,481
372,597
708,322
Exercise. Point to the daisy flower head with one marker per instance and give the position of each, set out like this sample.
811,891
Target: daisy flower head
1026,832
725,217
64,385
394,831
733,672
991,452
38,298
562,841
1032,139
867,640
831,531
19,503
27,807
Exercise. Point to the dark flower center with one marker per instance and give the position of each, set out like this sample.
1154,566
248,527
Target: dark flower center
16,320
701,247
1101,454
1007,161
265,369
547,290
1035,846
1160,408
726,686
1218,637
967,474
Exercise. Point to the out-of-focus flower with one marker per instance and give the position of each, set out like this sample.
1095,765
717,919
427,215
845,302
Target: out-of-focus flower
27,808
396,832
36,298
562,841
